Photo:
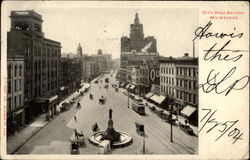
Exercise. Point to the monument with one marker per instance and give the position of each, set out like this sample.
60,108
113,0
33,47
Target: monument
110,134
117,139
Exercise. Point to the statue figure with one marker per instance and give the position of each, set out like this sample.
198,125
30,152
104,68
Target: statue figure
110,113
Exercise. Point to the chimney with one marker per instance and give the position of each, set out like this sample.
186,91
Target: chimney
186,54
193,50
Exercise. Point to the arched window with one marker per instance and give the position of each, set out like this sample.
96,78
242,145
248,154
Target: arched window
20,70
9,71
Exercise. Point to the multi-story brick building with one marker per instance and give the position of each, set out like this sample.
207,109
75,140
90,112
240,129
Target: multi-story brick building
41,56
71,73
15,94
178,81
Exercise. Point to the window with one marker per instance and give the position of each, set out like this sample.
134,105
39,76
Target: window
15,102
194,99
15,71
9,86
20,100
20,84
20,70
15,85
195,87
35,51
39,51
9,104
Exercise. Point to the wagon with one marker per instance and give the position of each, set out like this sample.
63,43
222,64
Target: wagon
102,101
139,128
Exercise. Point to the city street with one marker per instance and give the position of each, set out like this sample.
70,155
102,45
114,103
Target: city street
54,137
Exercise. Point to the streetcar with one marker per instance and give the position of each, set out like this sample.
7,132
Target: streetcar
138,107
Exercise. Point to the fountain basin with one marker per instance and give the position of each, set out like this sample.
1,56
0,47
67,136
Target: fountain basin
125,139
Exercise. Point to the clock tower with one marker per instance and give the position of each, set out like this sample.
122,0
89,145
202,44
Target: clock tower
136,35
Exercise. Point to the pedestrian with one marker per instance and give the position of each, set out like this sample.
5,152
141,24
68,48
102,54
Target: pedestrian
75,118
76,134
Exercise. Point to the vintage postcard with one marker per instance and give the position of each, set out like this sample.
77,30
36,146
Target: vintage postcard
124,80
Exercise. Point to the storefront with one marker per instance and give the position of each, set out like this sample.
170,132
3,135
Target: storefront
47,105
15,120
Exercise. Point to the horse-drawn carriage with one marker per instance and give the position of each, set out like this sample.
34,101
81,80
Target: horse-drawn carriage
102,100
76,140
139,128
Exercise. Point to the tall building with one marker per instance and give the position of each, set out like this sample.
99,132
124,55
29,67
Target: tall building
136,41
134,51
41,58
15,94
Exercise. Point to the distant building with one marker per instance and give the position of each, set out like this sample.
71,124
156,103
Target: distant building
15,93
41,58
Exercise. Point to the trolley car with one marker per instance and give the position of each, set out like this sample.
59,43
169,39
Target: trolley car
138,107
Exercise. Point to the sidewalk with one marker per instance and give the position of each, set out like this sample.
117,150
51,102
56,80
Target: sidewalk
14,142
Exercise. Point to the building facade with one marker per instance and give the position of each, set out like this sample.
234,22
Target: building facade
136,51
15,92
179,80
41,58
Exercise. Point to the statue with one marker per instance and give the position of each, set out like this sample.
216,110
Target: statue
110,113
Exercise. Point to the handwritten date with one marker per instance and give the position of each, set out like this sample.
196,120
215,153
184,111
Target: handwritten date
224,128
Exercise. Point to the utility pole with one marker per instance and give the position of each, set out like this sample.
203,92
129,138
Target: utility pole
171,125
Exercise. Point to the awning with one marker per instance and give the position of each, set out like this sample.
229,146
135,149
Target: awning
159,109
166,112
62,88
148,95
188,110
132,86
19,111
53,98
158,99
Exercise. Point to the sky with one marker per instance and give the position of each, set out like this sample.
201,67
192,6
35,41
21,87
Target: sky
97,26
